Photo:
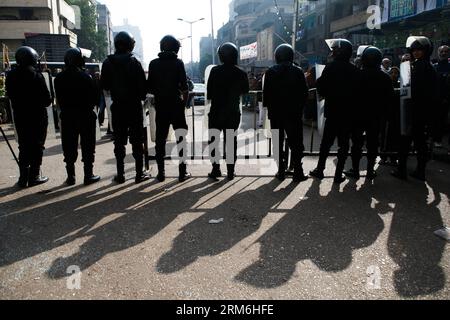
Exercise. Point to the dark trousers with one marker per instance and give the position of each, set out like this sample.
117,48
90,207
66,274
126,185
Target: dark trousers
163,122
32,133
215,146
128,123
371,140
334,129
419,139
76,128
440,122
293,131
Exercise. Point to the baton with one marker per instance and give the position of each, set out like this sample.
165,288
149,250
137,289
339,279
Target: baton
9,145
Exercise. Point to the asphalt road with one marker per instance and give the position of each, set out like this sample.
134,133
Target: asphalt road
276,241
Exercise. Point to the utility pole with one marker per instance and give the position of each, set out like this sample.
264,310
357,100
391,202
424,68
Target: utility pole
295,24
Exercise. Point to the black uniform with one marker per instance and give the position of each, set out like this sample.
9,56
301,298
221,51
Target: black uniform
379,98
167,81
443,71
226,84
423,108
29,95
339,86
77,97
285,94
124,77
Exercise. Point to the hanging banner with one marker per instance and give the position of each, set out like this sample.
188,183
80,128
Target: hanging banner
249,52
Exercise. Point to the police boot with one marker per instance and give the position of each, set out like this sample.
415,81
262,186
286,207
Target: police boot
317,173
23,179
215,173
371,173
338,176
230,172
354,171
120,177
184,175
89,177
141,175
35,178
299,175
161,172
419,173
401,171
71,180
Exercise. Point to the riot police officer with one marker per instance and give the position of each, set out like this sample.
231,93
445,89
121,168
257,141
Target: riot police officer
338,85
167,81
77,94
442,68
379,97
226,84
29,95
124,77
424,96
285,94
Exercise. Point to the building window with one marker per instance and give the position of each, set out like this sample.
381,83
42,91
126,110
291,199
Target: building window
26,14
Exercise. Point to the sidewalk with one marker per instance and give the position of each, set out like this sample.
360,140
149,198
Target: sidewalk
277,240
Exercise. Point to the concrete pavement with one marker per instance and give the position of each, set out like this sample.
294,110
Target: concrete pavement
277,240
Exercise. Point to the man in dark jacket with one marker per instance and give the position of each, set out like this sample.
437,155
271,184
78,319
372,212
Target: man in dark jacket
443,70
379,95
226,84
423,107
29,95
338,85
285,94
77,96
167,81
124,77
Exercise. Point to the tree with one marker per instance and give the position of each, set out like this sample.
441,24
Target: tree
88,36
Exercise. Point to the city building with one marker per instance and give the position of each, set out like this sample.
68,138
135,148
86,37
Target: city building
104,22
136,32
46,24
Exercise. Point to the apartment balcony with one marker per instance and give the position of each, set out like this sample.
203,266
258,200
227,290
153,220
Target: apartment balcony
350,21
27,3
16,29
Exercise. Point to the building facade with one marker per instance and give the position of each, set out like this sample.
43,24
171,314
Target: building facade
22,22
136,32
104,22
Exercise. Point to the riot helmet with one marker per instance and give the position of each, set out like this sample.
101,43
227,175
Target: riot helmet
360,50
27,57
228,53
284,53
124,42
170,44
420,43
74,58
371,58
341,49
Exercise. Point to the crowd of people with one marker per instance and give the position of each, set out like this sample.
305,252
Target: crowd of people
362,108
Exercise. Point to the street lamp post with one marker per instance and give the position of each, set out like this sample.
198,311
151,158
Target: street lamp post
192,43
212,35
192,78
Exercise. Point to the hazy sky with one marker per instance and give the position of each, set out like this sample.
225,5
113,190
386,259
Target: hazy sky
157,18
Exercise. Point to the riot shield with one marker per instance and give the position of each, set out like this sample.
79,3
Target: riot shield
320,103
405,99
51,128
207,102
